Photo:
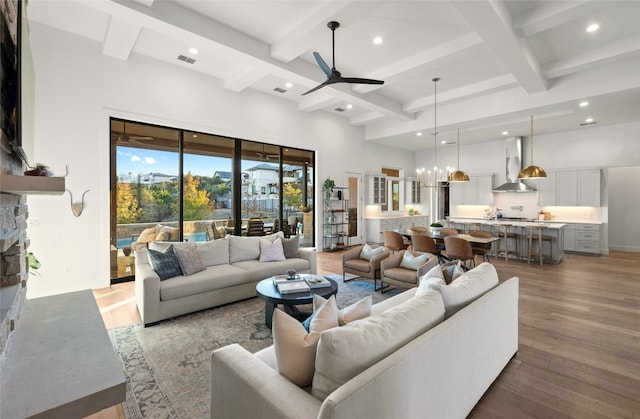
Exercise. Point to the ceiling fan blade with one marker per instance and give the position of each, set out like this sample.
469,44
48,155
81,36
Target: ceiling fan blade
316,88
322,64
361,81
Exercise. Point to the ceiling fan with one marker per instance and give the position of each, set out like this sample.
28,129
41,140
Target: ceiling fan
333,75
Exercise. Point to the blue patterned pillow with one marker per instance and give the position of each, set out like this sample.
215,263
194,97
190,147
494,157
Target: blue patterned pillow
165,263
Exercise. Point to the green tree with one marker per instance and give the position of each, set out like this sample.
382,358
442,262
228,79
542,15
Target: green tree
196,205
292,195
127,210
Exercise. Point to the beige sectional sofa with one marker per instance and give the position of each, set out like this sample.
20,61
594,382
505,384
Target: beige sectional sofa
440,373
232,271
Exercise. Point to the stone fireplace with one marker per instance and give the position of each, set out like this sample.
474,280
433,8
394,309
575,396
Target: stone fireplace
14,268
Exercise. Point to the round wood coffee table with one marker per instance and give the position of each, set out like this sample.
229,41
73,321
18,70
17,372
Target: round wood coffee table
272,297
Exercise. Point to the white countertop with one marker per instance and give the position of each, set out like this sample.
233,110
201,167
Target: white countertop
546,224
384,217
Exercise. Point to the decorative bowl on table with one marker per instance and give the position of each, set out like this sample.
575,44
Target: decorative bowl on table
435,228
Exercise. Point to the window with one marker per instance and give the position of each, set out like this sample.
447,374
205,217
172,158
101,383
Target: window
198,186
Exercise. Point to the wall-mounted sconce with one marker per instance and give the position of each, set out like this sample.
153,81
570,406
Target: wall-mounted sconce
78,207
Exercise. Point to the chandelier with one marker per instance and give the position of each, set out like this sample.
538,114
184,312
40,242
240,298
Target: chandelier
429,178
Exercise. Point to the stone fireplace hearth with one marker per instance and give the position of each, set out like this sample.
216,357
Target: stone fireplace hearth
14,269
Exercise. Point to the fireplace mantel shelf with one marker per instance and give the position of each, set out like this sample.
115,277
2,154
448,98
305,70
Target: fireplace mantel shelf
32,185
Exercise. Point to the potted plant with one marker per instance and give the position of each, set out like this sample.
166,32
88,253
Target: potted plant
328,186
435,228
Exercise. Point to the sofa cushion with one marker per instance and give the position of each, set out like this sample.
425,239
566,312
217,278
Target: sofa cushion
467,287
410,261
248,248
271,251
434,276
402,274
260,270
148,234
295,348
168,233
359,265
165,263
291,247
344,352
211,279
189,259
368,252
214,252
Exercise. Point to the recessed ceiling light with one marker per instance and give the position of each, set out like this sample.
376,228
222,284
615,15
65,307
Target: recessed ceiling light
505,132
289,85
377,40
588,120
349,106
419,134
194,51
583,104
443,142
195,135
593,27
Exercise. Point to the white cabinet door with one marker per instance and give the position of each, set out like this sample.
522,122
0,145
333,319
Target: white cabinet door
484,190
569,238
469,191
547,190
455,195
589,188
567,188
376,190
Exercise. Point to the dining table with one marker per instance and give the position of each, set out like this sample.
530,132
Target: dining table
440,238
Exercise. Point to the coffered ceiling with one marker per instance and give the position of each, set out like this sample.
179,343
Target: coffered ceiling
499,61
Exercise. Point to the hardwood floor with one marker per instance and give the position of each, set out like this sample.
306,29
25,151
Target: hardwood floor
579,338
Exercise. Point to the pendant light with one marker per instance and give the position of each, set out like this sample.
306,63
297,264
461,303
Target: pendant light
435,81
532,171
458,175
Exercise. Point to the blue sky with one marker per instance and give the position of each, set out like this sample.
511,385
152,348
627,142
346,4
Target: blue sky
137,160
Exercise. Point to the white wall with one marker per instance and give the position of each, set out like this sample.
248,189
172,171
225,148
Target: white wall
78,89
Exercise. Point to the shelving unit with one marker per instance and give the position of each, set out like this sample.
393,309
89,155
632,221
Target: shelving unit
335,230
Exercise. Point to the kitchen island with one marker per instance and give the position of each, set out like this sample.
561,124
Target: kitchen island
521,228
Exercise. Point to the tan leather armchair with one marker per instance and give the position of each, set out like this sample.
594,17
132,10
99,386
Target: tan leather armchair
352,263
392,273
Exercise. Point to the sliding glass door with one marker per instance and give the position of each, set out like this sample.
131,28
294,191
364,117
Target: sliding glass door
179,185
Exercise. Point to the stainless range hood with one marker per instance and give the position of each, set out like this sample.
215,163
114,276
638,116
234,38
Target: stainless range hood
513,162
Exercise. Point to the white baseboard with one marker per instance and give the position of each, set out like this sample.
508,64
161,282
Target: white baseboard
625,248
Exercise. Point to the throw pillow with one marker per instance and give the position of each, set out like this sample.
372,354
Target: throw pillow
369,252
214,252
344,352
189,259
148,234
413,262
291,247
165,263
434,276
452,270
467,288
271,252
295,349
356,311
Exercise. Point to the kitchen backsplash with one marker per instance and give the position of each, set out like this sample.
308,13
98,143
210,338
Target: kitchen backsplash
525,205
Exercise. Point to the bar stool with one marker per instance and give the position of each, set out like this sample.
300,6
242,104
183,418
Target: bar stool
535,234
503,231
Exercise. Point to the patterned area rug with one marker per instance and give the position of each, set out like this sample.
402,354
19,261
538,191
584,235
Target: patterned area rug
168,365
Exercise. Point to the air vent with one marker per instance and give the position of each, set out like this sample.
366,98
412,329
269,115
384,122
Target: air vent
186,59
339,110
588,123
280,90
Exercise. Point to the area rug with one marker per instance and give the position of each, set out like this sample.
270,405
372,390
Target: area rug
168,365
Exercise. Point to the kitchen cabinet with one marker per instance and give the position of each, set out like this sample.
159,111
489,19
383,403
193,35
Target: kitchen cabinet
412,191
578,188
377,226
376,190
547,190
583,238
478,191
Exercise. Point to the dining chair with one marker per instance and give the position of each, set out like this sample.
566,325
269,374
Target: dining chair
419,229
255,227
394,241
292,228
459,249
424,243
481,249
